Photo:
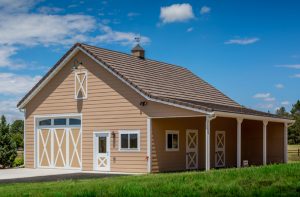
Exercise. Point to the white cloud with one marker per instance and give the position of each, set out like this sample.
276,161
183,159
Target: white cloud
262,95
133,14
190,29
13,6
205,10
285,103
13,84
49,10
292,66
34,29
244,41
123,38
176,13
265,106
279,86
296,76
9,109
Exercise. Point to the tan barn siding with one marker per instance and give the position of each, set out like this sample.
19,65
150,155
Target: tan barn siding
275,143
104,109
229,125
163,160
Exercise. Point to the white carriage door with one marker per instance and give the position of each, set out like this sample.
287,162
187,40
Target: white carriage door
102,152
74,147
191,149
59,147
220,149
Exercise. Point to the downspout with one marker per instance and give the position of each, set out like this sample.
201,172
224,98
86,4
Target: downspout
24,135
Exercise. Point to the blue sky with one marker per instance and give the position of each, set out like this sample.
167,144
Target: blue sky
248,49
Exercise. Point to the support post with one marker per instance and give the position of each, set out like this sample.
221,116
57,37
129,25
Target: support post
285,141
265,124
207,142
238,142
149,144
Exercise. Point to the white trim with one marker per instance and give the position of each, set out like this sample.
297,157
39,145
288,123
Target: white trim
207,141
285,143
96,135
188,149
220,149
173,132
238,142
24,137
81,84
149,144
51,75
252,117
265,124
130,132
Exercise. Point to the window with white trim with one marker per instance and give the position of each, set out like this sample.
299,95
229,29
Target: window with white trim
129,140
81,85
172,140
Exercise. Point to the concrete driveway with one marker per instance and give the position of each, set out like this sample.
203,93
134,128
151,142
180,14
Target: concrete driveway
40,175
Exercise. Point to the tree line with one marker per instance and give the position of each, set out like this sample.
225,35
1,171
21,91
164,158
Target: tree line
294,130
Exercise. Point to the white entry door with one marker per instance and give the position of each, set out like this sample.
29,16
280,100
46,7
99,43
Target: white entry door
191,149
102,151
220,149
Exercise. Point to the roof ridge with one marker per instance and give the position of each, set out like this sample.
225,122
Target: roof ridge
120,52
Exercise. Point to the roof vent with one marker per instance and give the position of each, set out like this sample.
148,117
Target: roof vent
138,51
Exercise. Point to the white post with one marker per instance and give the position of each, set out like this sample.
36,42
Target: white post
238,142
149,143
265,124
285,141
207,143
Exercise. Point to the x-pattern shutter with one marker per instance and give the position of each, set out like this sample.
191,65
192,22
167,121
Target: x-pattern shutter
220,149
191,149
80,85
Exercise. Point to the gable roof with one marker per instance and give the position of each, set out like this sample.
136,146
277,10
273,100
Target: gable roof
157,80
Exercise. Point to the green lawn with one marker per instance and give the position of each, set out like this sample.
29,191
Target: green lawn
275,180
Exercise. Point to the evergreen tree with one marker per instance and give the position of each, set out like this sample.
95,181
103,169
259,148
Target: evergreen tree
17,132
282,112
8,148
294,130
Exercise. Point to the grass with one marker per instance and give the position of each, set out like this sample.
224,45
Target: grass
274,180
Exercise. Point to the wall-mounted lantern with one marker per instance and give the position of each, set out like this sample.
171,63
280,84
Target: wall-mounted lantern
76,64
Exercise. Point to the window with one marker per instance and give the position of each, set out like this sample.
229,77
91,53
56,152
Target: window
60,121
46,122
74,121
102,144
80,85
129,140
172,140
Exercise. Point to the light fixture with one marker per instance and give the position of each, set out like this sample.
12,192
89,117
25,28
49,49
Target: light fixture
143,103
76,64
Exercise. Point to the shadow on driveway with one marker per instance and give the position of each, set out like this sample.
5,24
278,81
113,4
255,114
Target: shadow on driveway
59,177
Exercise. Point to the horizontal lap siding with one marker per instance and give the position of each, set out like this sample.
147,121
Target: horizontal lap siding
105,109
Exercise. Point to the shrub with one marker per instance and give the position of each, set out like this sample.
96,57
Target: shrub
19,161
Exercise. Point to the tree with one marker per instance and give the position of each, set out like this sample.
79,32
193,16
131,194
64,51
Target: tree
8,148
294,130
17,132
282,112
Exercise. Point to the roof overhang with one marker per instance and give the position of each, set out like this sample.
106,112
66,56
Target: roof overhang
253,117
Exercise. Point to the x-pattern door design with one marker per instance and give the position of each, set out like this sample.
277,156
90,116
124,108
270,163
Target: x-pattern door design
191,149
44,154
220,149
102,151
59,147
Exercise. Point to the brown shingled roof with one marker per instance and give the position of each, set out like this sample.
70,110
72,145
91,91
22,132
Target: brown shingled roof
161,81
